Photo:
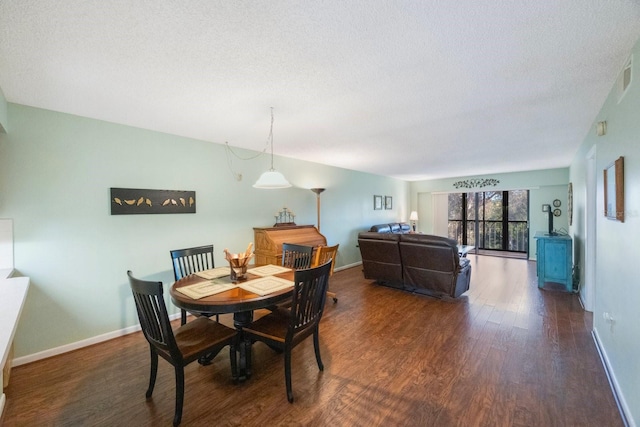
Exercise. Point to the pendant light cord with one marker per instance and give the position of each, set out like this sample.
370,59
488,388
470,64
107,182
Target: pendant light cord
228,150
271,139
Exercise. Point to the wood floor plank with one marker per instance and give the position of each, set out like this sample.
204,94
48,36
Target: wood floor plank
504,354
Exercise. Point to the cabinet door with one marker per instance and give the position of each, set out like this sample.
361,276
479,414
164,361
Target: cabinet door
555,261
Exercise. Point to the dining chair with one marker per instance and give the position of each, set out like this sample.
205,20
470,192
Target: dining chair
189,261
284,329
296,256
324,254
179,347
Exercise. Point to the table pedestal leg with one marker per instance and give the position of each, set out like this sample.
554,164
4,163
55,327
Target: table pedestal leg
241,319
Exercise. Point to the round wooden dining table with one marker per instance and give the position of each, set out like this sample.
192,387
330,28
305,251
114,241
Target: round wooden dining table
238,301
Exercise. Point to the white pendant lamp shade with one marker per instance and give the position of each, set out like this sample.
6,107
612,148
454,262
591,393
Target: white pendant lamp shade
272,179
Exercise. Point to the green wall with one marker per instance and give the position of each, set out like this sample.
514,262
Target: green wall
616,290
3,113
55,174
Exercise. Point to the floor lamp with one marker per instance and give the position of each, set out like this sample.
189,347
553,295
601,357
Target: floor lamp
318,191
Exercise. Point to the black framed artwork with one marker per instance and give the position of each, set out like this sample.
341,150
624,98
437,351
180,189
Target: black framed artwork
388,202
131,201
377,202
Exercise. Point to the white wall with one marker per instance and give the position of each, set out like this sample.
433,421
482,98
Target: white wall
617,287
55,174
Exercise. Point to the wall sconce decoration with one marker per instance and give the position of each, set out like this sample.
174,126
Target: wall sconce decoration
413,218
475,183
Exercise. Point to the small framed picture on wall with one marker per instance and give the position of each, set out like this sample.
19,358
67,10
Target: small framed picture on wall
377,202
388,202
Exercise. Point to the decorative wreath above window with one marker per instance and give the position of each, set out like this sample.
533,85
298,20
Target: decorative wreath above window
474,183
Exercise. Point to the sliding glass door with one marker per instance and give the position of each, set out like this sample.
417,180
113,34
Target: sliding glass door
499,219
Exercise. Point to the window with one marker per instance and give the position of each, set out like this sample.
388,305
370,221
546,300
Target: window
500,219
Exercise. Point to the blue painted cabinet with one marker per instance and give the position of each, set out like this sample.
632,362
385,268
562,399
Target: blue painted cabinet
554,259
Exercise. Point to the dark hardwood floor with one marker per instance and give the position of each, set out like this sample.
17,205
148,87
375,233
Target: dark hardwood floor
504,354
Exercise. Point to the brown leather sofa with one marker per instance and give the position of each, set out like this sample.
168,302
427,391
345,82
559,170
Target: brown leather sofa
420,263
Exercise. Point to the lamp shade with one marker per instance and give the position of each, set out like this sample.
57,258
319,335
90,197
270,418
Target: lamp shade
413,216
272,179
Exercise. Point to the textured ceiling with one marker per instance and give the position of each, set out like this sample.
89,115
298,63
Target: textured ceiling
408,89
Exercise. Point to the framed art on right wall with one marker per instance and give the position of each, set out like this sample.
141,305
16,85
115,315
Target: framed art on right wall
614,190
570,203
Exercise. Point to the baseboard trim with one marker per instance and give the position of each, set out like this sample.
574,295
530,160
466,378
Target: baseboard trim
79,344
345,267
104,337
625,413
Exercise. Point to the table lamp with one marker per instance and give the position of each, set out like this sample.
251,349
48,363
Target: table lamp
413,218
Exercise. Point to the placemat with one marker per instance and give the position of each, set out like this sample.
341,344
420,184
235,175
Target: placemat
268,270
266,285
204,289
214,273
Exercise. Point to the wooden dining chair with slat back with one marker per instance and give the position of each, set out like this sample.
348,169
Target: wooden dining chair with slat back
189,261
296,256
199,338
324,254
284,329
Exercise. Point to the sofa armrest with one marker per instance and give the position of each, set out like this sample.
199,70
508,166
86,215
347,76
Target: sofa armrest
381,228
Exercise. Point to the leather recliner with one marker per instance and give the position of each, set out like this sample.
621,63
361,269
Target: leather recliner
419,263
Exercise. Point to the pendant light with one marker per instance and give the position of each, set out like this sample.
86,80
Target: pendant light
271,179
